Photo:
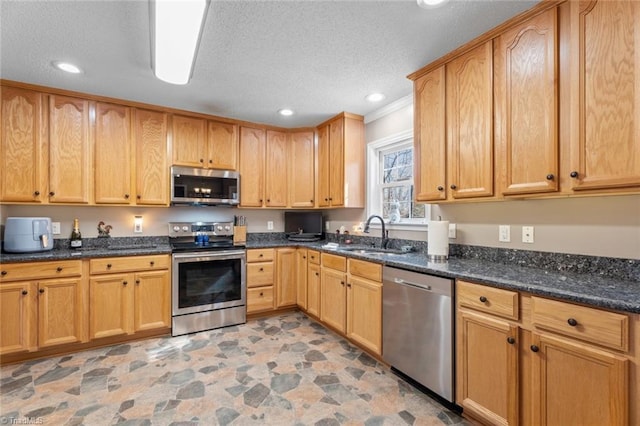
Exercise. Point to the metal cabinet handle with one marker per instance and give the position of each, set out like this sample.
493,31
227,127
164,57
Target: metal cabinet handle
51,194
511,340
25,292
261,255
261,269
59,269
137,281
126,196
261,294
483,299
534,348
453,186
574,174
349,285
440,188
108,266
152,263
41,290
202,160
139,196
550,176
36,193
3,273
572,322
124,283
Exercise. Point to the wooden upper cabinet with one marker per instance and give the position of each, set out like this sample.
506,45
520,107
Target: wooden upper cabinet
469,99
152,168
302,161
222,144
22,146
112,184
341,162
69,150
323,167
605,141
252,153
526,71
189,141
430,143
276,166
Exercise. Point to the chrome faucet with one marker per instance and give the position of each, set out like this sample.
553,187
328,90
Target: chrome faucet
385,233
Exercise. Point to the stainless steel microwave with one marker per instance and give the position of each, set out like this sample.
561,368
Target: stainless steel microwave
193,186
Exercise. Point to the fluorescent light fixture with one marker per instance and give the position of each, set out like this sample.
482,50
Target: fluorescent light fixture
67,67
375,97
430,4
286,112
176,27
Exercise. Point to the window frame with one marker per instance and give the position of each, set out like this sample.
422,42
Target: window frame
374,170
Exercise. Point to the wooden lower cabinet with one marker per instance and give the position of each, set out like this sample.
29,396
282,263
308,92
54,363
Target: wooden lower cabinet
364,309
535,366
313,289
333,298
301,277
286,277
37,313
488,388
152,300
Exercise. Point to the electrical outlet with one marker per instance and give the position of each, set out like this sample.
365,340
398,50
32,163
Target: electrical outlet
55,228
270,225
452,230
527,234
504,233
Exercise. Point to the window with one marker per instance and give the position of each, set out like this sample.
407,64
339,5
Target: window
390,168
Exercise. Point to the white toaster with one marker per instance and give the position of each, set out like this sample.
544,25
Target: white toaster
27,234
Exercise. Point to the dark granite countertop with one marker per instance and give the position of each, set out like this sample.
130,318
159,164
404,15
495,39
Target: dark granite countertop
590,289
596,287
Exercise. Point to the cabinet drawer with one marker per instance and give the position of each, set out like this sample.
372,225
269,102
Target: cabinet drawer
314,256
259,274
364,269
259,255
259,299
589,324
110,265
332,261
40,270
495,301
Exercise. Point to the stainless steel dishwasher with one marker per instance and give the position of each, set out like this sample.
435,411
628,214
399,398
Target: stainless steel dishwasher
417,328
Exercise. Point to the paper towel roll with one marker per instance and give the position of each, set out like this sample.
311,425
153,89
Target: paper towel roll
438,240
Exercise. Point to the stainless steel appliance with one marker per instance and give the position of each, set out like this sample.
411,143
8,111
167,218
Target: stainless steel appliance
193,186
28,234
417,329
208,280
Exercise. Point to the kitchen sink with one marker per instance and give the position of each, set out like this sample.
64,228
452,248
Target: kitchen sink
372,251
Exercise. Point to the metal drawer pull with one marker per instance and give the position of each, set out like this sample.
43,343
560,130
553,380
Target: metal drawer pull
401,281
534,348
25,292
572,322
59,269
483,299
511,340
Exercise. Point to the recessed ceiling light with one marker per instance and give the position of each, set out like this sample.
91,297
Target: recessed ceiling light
67,67
375,97
430,4
286,112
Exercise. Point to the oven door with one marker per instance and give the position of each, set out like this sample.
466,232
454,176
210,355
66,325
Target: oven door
205,281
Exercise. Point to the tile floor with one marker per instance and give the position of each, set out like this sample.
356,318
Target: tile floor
282,370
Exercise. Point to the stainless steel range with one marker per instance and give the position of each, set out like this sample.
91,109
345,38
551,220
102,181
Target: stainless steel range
208,280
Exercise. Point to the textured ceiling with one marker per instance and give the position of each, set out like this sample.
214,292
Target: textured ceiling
316,57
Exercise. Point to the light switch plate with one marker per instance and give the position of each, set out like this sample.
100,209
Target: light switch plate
452,230
55,228
527,234
504,233
270,225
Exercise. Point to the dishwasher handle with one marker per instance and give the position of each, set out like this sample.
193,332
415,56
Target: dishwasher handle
412,284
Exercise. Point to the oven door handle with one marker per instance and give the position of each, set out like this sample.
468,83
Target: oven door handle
204,255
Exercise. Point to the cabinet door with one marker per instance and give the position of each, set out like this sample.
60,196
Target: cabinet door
110,305
313,290
527,105
112,184
323,167
69,150
469,107
152,168
17,317
60,312
285,277
487,375
24,132
302,160
333,299
364,313
301,277
252,152
152,300
606,149
222,146
336,163
189,139
575,384
430,143
276,189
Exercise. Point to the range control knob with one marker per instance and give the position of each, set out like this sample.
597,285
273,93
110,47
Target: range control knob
176,228
219,227
227,228
185,228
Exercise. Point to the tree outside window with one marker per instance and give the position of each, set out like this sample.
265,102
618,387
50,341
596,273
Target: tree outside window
396,183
